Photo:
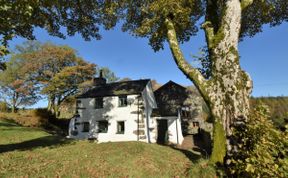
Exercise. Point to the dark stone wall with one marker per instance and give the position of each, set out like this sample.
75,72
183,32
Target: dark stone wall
169,98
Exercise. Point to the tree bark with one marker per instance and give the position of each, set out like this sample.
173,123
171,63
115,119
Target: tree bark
13,109
227,91
51,103
14,102
56,107
56,111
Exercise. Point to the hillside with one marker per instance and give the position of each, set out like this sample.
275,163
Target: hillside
30,152
278,107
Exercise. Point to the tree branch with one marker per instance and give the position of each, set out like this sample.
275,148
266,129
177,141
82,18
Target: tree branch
63,97
211,24
209,33
191,73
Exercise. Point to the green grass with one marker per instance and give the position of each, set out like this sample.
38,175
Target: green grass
11,133
30,152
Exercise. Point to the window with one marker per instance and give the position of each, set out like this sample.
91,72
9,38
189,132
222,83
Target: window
98,103
195,124
120,127
86,126
122,101
102,126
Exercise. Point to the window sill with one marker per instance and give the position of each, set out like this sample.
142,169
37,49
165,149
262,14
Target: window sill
120,133
102,132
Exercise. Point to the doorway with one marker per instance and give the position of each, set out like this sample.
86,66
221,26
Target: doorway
162,134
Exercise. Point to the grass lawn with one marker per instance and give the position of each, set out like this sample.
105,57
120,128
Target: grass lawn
29,152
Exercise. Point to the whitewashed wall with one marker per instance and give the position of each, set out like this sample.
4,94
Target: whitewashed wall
172,129
149,104
129,114
112,113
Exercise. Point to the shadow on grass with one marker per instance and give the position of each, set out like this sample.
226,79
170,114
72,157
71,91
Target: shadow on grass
193,157
203,141
62,124
47,141
8,123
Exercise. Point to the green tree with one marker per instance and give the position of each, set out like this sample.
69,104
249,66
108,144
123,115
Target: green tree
28,47
278,109
226,22
15,85
19,18
59,71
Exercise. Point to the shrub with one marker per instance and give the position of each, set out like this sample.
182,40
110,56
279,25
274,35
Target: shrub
28,118
263,149
3,107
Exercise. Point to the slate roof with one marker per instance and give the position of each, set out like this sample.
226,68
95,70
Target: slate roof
116,89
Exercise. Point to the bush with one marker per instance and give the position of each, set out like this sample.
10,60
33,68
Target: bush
278,107
28,118
263,149
40,118
4,107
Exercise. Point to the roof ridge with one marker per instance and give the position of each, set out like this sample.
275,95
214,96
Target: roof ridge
117,88
129,81
170,81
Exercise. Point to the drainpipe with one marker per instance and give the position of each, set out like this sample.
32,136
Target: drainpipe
147,124
178,117
147,118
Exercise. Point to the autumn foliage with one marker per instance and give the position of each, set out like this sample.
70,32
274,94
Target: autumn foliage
47,70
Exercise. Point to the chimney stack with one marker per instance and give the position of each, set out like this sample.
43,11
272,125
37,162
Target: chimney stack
99,80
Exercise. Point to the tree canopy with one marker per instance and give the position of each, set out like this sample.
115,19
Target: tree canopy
142,18
19,18
16,87
59,72
147,18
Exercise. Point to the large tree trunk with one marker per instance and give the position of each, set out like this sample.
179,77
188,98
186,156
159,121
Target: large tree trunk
230,86
227,91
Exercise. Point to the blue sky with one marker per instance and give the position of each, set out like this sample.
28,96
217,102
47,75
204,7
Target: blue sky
264,57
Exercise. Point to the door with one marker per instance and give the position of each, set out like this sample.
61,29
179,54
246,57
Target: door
162,127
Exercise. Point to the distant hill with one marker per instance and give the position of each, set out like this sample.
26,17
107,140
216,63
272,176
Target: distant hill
278,108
